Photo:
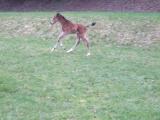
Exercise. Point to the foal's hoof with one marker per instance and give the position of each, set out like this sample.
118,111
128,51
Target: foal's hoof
69,51
53,49
88,54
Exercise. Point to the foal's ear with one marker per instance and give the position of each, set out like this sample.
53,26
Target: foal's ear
58,13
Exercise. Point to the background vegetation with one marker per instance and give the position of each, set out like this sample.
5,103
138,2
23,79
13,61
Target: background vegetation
80,5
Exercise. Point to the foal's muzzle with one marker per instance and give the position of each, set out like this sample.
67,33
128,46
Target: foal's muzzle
51,23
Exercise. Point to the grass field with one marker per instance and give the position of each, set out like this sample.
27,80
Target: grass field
119,81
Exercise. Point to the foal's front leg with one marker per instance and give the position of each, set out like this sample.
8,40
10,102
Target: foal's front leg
59,40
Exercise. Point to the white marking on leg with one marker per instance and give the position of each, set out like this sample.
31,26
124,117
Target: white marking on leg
88,54
54,47
87,44
61,44
59,40
77,42
70,50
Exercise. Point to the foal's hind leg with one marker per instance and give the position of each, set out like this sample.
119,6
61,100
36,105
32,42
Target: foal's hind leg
87,43
59,40
77,42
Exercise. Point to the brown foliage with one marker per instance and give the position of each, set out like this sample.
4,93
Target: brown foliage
80,5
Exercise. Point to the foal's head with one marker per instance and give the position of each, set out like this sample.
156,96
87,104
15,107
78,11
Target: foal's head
55,19
58,17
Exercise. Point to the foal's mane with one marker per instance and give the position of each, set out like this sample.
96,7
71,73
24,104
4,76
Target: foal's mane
63,17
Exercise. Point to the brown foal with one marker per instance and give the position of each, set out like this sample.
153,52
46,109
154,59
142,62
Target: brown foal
69,27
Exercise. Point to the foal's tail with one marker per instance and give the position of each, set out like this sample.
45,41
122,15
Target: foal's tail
91,25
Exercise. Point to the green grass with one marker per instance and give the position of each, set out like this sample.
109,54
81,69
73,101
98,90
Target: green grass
119,81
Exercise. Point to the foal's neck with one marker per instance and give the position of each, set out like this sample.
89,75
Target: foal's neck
62,21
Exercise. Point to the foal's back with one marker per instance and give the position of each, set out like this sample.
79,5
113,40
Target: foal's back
72,28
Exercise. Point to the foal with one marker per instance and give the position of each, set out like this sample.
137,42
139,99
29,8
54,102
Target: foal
69,27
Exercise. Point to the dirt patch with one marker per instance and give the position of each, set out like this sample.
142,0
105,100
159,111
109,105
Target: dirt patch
80,5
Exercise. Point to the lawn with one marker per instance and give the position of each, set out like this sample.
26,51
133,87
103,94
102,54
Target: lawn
120,80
